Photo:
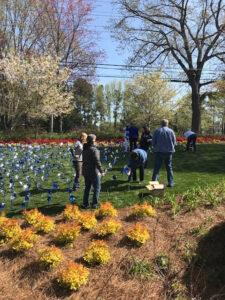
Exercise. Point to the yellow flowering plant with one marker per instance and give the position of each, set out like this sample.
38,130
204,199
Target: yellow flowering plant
138,234
87,220
97,253
66,233
9,228
50,257
143,210
31,216
71,212
106,210
45,225
73,275
107,227
23,240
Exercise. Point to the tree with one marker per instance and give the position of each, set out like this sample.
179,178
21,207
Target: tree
36,86
188,32
147,99
98,106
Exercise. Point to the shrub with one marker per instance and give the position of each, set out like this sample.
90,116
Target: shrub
106,210
138,234
23,240
71,212
143,210
73,275
87,220
108,227
2,219
31,216
97,253
45,224
50,257
66,233
9,228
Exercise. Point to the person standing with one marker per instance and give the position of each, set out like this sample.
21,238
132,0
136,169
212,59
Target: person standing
133,136
126,138
138,159
164,141
146,139
92,171
191,139
76,151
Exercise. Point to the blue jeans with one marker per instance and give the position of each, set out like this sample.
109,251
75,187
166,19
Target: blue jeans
167,158
191,140
96,182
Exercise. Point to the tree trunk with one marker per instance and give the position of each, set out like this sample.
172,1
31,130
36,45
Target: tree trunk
52,124
60,124
36,129
196,108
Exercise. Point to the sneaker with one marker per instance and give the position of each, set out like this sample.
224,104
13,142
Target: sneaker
169,185
84,206
94,206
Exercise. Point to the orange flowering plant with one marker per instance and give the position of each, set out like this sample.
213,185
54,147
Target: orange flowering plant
138,234
87,220
50,257
23,240
106,210
73,275
45,224
31,216
9,228
97,253
108,227
66,233
71,212
143,210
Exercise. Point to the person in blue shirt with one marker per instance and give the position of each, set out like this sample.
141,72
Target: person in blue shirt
138,159
164,141
133,136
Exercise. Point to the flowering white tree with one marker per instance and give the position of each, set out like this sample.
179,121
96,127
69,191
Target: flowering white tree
36,85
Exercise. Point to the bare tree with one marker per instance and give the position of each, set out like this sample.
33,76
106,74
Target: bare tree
189,32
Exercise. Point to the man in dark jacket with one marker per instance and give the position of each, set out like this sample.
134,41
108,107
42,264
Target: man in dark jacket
92,171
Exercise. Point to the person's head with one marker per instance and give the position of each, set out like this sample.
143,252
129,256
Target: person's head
91,138
83,137
165,122
145,130
134,155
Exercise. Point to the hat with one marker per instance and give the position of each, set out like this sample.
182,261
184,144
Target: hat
91,138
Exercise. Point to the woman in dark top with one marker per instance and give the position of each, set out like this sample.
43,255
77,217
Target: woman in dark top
146,138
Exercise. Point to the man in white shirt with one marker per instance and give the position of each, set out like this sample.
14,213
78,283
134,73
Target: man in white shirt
191,139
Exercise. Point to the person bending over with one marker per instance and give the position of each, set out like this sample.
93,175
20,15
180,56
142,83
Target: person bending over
138,158
191,139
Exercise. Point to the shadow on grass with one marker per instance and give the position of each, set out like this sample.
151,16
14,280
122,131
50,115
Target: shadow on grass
56,290
119,186
205,277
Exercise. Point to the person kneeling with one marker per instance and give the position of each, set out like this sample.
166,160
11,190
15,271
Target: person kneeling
138,159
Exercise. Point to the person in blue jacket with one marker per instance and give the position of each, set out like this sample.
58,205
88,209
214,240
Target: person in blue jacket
138,159
133,136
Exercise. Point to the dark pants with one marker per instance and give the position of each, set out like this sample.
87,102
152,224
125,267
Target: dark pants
134,174
96,183
133,143
78,169
167,158
191,140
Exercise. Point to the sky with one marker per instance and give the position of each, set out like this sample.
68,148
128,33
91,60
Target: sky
101,15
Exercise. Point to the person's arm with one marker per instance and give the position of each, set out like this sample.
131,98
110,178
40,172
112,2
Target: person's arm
154,139
174,138
96,158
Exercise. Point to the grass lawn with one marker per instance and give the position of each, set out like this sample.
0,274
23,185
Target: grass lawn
191,170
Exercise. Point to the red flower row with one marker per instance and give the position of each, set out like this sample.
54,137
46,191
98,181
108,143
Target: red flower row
65,141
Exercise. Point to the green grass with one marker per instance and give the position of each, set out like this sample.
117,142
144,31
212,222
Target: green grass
191,170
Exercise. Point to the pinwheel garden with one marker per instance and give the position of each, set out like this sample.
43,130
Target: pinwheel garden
51,249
